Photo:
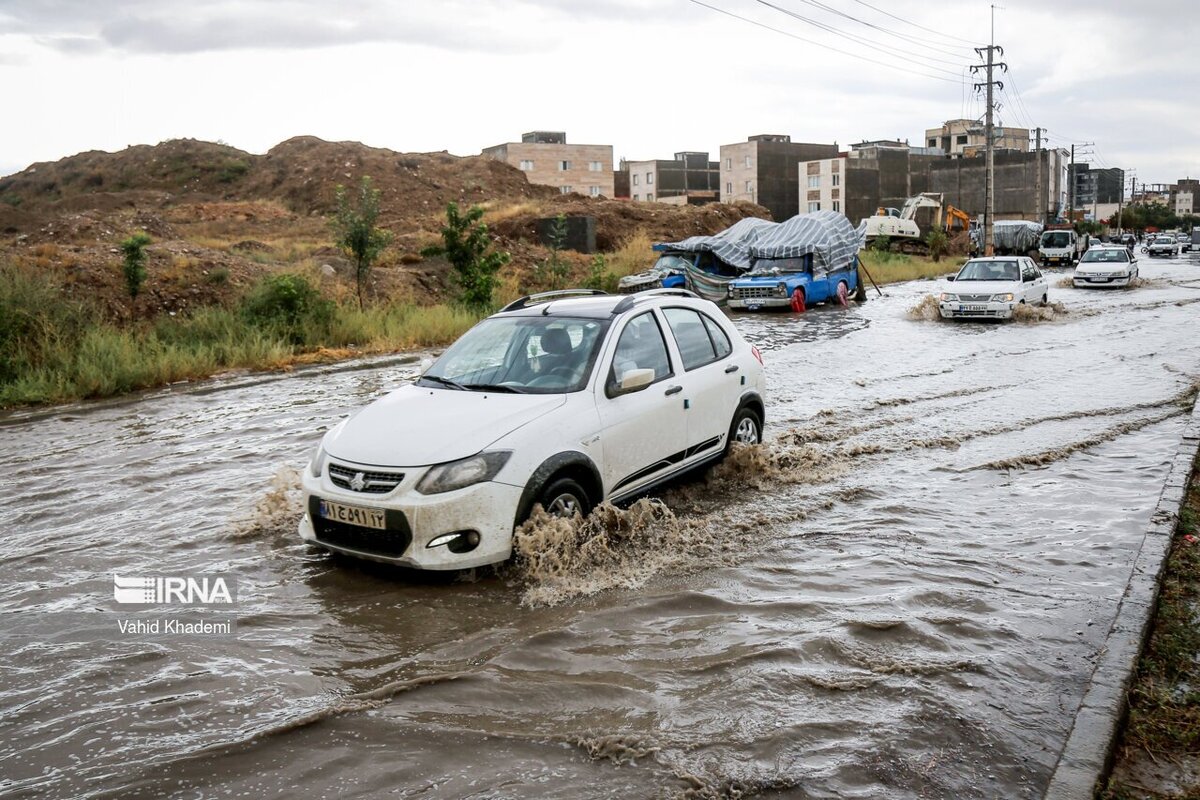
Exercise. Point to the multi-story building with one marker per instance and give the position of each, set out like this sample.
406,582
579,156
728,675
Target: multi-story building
962,181
547,159
964,138
1094,187
1184,195
871,174
688,178
765,170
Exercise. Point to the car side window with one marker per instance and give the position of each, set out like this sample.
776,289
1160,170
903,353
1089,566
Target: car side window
641,346
720,339
695,346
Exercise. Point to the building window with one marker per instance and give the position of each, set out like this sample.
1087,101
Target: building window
650,198
960,139
749,184
837,180
594,191
748,163
595,166
814,207
649,178
636,197
564,189
563,166
837,205
527,165
636,178
933,142
729,189
814,181
728,163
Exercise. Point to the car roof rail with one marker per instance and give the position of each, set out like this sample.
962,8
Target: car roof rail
630,299
543,297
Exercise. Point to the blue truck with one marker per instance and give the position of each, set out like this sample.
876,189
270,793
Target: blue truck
794,283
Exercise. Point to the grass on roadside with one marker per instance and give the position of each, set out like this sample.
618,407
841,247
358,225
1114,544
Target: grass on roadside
1164,703
55,349
887,267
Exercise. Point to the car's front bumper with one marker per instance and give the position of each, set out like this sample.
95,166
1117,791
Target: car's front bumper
1057,261
1097,282
955,309
754,303
413,520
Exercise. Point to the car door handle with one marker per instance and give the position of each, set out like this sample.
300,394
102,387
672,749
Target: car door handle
673,390
731,368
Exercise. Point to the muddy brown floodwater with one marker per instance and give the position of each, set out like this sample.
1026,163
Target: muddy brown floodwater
900,596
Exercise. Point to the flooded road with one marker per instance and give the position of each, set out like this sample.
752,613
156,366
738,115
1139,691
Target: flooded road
900,597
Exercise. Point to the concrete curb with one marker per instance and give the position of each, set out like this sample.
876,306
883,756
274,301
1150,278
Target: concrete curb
1086,758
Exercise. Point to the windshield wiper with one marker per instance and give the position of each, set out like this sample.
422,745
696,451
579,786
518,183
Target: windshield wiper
493,387
444,382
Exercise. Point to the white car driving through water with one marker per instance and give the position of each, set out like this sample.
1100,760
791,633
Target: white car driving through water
991,288
1105,266
563,399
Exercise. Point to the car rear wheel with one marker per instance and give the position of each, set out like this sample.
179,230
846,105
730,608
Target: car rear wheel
746,428
564,497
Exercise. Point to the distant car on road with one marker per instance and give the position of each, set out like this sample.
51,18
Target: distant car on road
558,399
1164,245
1185,242
1105,266
992,288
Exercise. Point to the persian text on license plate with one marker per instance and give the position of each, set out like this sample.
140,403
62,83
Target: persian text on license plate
974,307
354,515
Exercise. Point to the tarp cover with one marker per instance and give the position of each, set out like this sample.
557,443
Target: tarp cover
731,245
828,235
1016,235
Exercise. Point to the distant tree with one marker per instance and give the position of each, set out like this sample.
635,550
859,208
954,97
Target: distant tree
357,234
466,245
553,272
134,250
938,243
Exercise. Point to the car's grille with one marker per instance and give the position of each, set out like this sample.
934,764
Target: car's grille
752,292
965,313
974,298
368,483
391,542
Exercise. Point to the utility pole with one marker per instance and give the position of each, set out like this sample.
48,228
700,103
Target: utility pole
1071,182
1039,203
989,180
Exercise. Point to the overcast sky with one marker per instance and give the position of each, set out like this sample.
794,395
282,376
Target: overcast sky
650,77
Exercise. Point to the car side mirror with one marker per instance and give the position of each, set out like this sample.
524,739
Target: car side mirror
950,277
634,380
424,366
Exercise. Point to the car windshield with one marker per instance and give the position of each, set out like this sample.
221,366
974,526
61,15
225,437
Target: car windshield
670,261
989,271
1165,240
538,355
1056,239
1106,254
775,266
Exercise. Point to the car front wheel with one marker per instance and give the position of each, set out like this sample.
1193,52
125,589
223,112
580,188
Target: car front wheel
564,497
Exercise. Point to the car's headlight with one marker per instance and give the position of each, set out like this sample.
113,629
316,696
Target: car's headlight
781,290
465,472
316,463
946,297
1002,298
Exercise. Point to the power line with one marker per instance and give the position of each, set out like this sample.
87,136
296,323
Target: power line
934,46
863,41
821,44
913,24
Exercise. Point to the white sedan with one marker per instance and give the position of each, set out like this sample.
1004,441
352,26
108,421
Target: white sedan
1164,245
991,288
564,400
1105,266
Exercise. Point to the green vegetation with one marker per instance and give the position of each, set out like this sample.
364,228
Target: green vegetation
466,245
1154,215
599,277
356,231
888,267
937,242
554,271
134,250
1164,703
55,349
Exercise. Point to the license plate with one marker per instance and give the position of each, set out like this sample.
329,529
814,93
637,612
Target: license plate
974,307
1099,280
354,515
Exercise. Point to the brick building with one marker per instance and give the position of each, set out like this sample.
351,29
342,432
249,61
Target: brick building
765,170
547,159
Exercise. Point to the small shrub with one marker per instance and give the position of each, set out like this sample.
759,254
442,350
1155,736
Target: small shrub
218,276
232,170
938,243
466,246
288,305
357,235
12,200
134,250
